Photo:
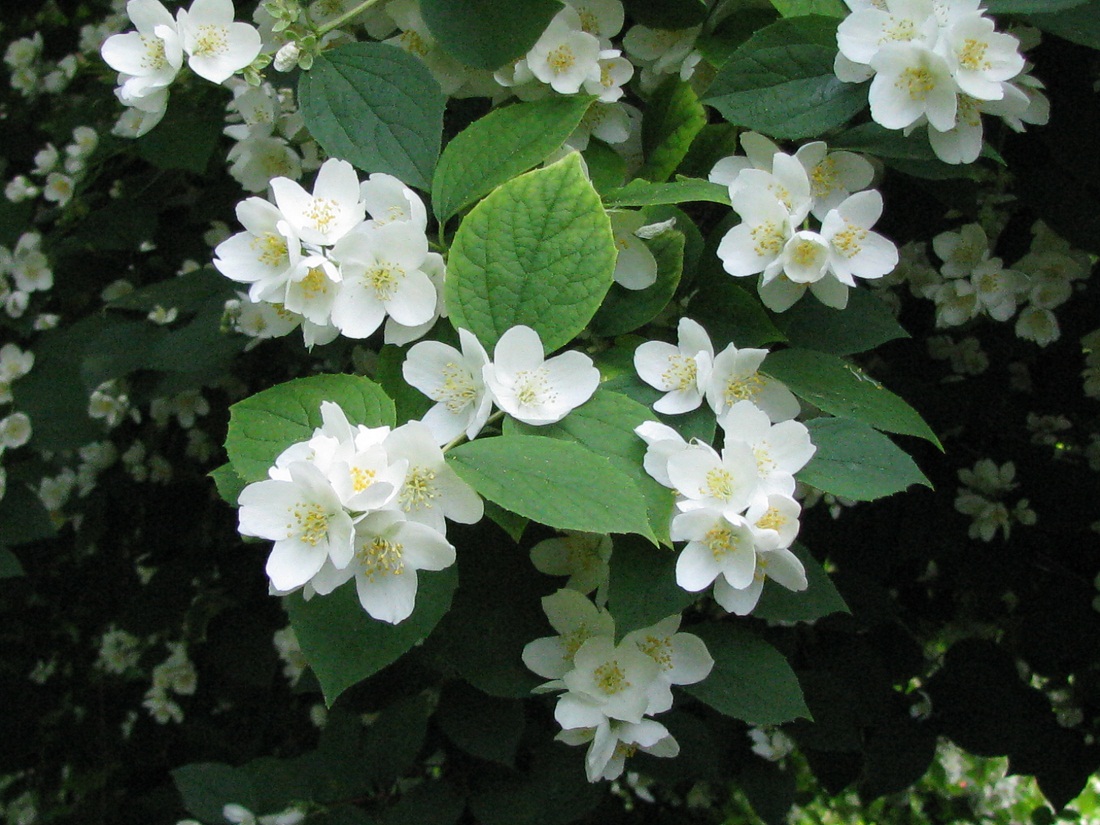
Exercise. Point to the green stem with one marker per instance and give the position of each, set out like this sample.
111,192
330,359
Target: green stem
492,419
345,17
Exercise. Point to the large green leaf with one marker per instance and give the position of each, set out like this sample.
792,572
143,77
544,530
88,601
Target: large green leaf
344,645
1079,23
625,310
820,598
496,148
484,726
186,138
486,34
672,120
667,14
376,106
262,426
207,787
751,680
558,483
842,389
642,588
857,462
605,425
780,81
538,251
798,8
864,324
646,193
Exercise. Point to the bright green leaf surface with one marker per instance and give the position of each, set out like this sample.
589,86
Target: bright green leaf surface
780,82
751,680
642,588
798,8
645,193
262,426
376,106
857,462
344,645
820,598
605,425
496,148
625,310
557,483
486,34
842,389
673,118
538,251
864,324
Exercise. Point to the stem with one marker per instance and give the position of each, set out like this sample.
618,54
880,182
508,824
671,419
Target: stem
345,17
492,419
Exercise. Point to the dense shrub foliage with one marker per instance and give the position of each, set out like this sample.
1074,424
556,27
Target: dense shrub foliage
466,411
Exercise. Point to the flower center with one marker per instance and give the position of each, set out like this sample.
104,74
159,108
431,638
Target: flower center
681,373
315,282
532,388
561,59
361,479
322,213
212,41
720,484
659,649
805,253
379,557
610,678
771,520
457,391
419,490
743,388
898,31
972,55
917,81
384,279
767,239
721,541
312,523
154,58
414,43
823,178
847,240
572,641
271,249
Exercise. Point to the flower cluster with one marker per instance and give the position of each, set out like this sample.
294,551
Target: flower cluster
465,384
358,502
149,59
980,498
316,259
270,135
610,689
940,64
58,173
774,193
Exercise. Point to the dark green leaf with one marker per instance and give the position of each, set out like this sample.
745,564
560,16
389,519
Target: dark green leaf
625,310
820,598
1030,6
262,426
185,293
864,324
185,139
1077,23
780,82
229,484
667,14
799,8
10,568
842,389
376,106
23,517
344,645
643,588
751,680
207,787
484,726
672,120
494,149
857,462
644,193
486,34
432,803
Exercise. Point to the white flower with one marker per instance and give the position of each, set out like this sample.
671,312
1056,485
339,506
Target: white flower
780,565
455,382
216,46
149,58
533,389
400,334
682,659
607,680
662,442
15,430
381,273
759,152
833,175
388,552
1039,325
756,244
601,18
911,82
726,483
736,376
264,254
780,450
716,546
328,214
306,520
680,371
772,745
997,288
256,159
387,199
981,58
583,557
564,56
613,742
854,250
635,266
576,620
14,363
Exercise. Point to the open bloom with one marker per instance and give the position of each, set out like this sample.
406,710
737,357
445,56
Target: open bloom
149,58
534,389
452,379
330,212
216,46
613,742
681,371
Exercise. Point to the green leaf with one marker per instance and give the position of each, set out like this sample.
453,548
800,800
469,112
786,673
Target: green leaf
186,138
486,34
507,521
344,645
780,81
1077,24
484,726
10,568
820,598
730,315
751,680
23,517
864,324
410,403
1029,6
798,8
557,483
494,149
207,787
667,14
185,293
391,744
672,120
842,389
229,484
376,106
642,588
645,193
606,167
719,44
538,251
431,803
262,426
890,144
625,310
857,462
605,425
